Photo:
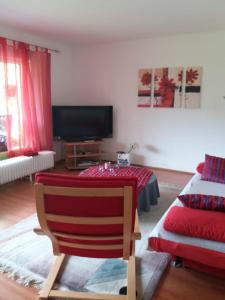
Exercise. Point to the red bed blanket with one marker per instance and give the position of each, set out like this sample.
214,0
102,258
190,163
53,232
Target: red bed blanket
197,223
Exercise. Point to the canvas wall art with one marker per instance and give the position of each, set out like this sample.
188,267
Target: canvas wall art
170,87
167,87
193,78
144,87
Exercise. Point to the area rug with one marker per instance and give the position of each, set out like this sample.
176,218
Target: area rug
27,257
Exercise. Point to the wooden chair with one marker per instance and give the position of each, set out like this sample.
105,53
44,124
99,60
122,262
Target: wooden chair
90,217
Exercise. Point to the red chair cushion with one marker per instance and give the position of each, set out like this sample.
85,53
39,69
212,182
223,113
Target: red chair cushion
208,225
87,207
30,153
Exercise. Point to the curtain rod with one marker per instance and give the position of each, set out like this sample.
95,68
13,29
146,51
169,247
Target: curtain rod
33,45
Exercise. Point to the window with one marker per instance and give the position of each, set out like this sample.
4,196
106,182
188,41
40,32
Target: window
25,98
10,104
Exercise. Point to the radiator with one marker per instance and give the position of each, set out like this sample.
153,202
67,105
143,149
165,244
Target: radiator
20,166
44,160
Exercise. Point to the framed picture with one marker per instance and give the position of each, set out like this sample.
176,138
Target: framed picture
170,87
167,87
144,87
193,78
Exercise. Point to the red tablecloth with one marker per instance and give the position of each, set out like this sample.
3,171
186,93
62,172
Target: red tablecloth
142,174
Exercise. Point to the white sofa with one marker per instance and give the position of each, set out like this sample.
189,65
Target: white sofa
201,254
21,166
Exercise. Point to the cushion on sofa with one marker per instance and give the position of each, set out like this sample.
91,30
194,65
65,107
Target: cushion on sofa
200,167
203,224
214,169
30,153
200,201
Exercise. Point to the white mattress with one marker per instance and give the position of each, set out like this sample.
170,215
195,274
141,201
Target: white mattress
195,186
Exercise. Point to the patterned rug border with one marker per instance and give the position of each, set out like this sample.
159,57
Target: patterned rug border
20,275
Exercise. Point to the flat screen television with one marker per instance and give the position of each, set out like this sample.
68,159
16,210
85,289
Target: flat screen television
80,123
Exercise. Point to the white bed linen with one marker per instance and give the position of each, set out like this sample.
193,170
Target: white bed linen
195,186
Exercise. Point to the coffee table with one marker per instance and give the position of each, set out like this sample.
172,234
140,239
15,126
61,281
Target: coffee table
147,184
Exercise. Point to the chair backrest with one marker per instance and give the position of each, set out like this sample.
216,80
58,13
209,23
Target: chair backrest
87,216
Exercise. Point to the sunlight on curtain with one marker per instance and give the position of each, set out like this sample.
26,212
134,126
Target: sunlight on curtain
25,98
10,95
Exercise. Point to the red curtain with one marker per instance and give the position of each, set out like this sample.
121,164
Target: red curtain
25,97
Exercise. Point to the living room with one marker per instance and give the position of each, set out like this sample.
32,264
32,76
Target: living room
101,46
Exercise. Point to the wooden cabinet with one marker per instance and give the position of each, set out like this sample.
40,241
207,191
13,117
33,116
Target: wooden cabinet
81,155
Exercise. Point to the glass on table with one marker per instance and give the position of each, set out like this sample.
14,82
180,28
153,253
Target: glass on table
107,166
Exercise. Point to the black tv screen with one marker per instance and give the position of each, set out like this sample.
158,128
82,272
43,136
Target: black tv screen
81,123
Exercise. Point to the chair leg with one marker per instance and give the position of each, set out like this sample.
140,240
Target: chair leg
131,278
44,293
177,262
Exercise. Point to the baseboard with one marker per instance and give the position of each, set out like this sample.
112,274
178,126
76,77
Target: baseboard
171,170
166,170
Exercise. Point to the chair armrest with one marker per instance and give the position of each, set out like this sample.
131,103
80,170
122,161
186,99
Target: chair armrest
38,231
137,234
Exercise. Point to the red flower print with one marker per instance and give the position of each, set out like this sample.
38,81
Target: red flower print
146,78
166,91
191,76
166,84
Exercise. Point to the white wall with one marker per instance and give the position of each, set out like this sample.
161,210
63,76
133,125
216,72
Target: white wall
168,138
107,74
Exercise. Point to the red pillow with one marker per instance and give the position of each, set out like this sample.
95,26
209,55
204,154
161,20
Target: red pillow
208,225
214,169
199,201
200,167
30,153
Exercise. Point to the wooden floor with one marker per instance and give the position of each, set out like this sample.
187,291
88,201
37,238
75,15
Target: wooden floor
17,203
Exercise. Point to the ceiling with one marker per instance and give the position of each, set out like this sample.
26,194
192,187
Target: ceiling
102,21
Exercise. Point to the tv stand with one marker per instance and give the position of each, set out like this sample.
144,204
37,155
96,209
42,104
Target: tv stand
81,155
